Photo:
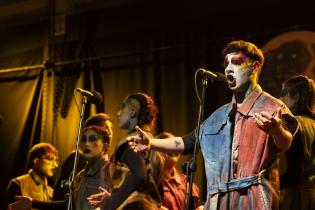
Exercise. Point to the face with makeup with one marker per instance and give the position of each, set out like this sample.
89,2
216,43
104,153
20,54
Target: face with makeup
238,70
127,114
92,144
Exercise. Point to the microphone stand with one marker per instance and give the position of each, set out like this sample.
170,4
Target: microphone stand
72,176
191,169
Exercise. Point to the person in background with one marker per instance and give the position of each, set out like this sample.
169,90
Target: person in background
43,160
175,184
241,141
94,144
297,184
61,188
134,177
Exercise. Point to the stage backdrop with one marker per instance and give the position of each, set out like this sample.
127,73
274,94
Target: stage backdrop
38,105
285,55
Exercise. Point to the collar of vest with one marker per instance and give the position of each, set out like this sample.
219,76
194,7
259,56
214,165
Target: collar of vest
36,178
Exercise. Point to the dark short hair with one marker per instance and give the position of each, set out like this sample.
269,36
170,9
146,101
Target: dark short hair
247,48
41,149
148,110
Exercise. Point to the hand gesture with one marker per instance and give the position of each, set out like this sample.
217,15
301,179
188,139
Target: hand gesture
98,199
140,142
271,124
22,203
201,207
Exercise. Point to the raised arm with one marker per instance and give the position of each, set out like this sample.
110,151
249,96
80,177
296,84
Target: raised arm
142,142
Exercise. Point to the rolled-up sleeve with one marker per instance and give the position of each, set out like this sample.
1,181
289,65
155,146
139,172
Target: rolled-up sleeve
189,142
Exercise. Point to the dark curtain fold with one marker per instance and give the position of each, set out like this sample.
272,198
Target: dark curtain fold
20,111
20,104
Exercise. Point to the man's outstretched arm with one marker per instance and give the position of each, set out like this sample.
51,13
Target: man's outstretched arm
142,142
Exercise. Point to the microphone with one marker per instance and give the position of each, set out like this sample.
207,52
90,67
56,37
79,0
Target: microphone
93,97
213,76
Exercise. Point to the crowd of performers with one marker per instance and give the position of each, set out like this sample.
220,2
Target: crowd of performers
241,143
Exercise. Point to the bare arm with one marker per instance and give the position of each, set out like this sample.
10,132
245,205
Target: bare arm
172,145
142,142
282,138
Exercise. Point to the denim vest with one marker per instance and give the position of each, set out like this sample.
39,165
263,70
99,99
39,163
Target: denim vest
215,143
254,161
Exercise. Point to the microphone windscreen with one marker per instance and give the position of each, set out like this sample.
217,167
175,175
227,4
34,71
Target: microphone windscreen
221,77
97,98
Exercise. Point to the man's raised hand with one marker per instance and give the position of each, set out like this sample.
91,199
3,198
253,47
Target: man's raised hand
140,142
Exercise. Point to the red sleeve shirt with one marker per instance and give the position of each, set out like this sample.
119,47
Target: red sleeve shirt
174,192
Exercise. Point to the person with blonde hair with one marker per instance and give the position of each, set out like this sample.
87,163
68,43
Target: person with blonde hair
175,183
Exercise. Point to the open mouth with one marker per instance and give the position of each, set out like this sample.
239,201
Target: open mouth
231,80
86,151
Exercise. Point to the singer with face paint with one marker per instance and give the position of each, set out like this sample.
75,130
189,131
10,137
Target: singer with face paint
241,141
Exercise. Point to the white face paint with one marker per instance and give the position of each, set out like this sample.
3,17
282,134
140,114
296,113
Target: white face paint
238,70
